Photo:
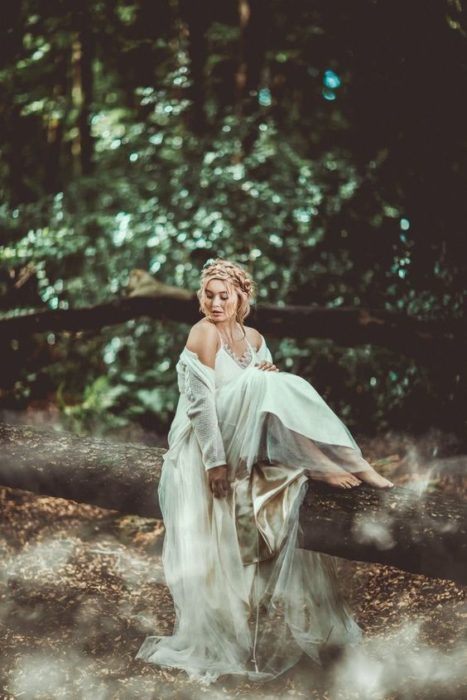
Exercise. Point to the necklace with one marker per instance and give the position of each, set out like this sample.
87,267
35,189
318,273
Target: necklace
245,358
232,341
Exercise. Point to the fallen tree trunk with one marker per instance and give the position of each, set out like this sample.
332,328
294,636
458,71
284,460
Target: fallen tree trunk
434,343
422,534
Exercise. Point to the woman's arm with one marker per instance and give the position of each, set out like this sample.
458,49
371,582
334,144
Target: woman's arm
203,340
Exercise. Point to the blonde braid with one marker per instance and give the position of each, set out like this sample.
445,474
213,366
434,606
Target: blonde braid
236,277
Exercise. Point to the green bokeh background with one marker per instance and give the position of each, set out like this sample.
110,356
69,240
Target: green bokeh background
322,145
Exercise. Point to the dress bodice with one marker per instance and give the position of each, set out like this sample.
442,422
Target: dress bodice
227,367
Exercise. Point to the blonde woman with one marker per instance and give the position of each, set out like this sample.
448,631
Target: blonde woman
245,441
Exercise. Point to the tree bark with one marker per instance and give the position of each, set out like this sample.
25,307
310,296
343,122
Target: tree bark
13,125
82,88
436,344
425,535
254,24
197,17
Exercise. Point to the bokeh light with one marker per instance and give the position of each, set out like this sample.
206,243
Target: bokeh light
331,79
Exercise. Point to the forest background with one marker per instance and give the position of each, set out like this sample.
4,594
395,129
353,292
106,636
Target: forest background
323,145
320,144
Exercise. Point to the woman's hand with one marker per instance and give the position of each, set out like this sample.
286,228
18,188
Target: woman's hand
267,366
218,482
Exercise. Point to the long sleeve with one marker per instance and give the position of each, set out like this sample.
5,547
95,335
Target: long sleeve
202,413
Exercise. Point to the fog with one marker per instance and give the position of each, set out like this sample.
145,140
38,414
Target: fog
74,635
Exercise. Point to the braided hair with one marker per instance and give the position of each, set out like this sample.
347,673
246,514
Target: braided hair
236,278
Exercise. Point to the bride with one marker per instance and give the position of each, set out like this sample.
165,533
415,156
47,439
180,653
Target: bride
244,444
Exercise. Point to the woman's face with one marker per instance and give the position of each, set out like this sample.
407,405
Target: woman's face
220,302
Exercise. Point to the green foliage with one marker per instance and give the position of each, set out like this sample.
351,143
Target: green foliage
318,211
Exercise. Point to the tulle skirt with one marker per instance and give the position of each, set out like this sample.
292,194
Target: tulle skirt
280,418
249,601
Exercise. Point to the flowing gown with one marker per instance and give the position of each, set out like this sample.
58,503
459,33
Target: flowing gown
248,599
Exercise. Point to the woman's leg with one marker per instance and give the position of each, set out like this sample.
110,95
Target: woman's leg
353,461
355,468
335,465
327,471
371,477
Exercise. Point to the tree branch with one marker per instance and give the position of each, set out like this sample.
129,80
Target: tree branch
422,535
434,343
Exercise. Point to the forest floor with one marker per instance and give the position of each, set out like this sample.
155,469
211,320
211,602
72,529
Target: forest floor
81,586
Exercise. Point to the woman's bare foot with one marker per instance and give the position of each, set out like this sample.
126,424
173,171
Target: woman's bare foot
340,480
371,477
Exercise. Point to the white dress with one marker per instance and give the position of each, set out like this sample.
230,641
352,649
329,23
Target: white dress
248,600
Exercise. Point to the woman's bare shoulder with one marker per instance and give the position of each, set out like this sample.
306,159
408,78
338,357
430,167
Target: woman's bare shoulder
254,336
203,340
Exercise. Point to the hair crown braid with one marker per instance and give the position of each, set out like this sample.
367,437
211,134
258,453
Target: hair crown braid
236,277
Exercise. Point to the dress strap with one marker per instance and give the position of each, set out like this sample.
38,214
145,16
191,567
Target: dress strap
219,334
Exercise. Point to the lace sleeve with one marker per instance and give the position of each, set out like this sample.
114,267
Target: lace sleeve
203,416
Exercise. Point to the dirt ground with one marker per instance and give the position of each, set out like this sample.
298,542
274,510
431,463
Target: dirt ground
80,588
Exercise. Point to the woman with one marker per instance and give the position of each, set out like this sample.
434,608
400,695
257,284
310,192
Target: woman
243,445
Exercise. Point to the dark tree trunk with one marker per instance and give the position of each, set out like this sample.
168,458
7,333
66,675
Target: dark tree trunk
425,535
12,124
55,130
87,57
197,16
254,30
437,344
82,69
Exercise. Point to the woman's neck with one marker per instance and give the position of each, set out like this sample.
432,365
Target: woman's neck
229,330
